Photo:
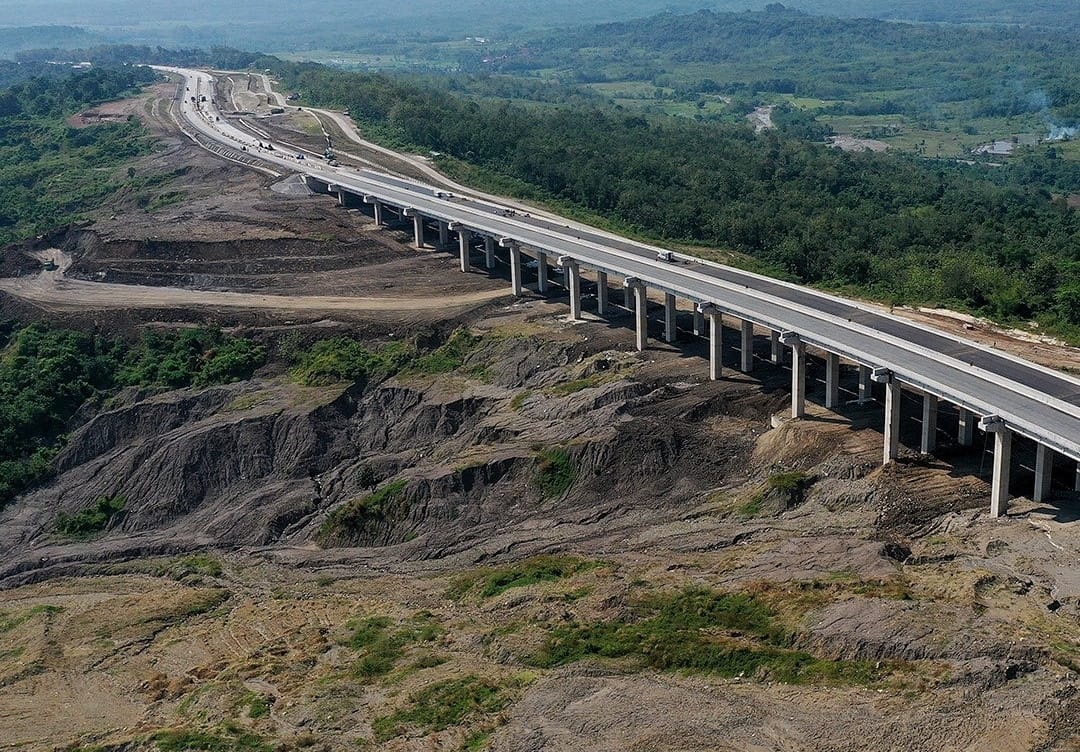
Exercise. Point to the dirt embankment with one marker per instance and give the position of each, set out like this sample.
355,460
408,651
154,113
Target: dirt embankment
223,611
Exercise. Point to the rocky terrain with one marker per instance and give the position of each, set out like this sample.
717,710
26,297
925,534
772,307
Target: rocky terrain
559,544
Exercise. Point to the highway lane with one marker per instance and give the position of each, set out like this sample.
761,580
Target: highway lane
1036,377
1035,401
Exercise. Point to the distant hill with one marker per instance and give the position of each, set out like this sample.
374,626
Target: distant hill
18,38
300,25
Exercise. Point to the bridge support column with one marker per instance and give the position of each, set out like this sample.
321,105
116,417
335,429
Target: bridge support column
515,264
699,322
716,338
892,421
601,293
866,391
892,412
418,229
798,372
832,380
377,206
999,488
444,235
1076,484
489,252
464,241
966,434
746,347
641,310
573,280
1044,472
776,349
628,295
669,317
929,424
542,273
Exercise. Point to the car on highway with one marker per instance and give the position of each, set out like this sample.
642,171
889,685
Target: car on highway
667,256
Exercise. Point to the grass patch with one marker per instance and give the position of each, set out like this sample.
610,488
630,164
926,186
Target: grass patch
349,523
441,705
98,517
519,399
230,739
196,564
257,705
381,647
780,492
491,581
553,472
9,622
570,387
699,630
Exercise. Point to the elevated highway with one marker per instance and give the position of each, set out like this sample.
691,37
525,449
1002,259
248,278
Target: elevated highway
1001,394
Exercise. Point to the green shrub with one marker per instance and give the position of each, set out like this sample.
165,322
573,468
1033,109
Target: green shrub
340,359
96,518
353,519
450,356
553,472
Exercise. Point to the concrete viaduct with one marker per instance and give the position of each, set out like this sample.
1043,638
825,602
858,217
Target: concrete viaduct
1041,404
1002,395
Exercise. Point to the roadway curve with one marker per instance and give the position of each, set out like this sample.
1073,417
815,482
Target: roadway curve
1034,401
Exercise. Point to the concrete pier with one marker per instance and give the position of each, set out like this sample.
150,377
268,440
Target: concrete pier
798,372
628,294
670,334
699,322
965,435
746,347
489,252
776,350
377,206
999,485
641,311
929,424
716,336
541,273
832,381
444,235
573,281
464,241
892,421
515,264
1044,472
418,229
866,387
601,293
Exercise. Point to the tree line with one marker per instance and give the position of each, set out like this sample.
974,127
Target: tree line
894,227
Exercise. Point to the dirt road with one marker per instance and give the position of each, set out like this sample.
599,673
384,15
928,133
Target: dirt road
53,291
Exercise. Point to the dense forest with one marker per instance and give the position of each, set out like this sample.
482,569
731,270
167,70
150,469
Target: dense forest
874,66
49,171
898,228
46,374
